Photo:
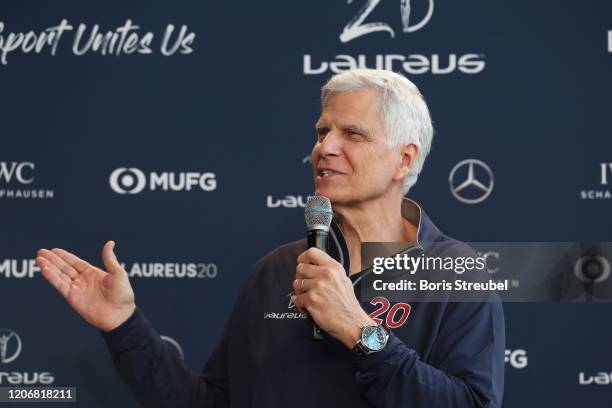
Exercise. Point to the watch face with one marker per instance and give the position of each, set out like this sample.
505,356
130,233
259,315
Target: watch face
374,337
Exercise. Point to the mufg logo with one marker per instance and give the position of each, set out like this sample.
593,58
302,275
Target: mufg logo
516,358
131,180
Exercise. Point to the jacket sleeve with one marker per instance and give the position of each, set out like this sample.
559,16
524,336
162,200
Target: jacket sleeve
465,369
155,374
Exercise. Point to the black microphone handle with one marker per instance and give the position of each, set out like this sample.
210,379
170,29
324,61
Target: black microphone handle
317,238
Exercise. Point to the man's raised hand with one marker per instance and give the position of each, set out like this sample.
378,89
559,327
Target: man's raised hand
104,298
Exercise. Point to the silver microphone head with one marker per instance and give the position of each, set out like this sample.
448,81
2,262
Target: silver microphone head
318,213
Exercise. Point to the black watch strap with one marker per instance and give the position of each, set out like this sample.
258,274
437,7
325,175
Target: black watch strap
359,349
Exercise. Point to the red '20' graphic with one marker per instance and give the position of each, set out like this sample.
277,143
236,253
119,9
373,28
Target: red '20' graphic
390,321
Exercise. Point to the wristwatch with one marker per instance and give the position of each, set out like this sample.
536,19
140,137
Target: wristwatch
372,339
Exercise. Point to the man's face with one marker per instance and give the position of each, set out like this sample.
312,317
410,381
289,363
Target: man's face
350,161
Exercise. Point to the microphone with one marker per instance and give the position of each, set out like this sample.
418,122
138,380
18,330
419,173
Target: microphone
318,215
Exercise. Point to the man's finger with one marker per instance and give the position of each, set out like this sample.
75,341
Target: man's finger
298,307
305,300
55,279
315,256
59,263
77,263
298,300
110,260
306,271
301,285
46,263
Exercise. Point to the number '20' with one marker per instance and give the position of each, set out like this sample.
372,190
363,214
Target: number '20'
392,320
356,27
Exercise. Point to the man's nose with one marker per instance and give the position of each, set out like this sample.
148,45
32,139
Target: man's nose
331,144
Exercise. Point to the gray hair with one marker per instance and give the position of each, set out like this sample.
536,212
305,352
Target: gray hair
404,113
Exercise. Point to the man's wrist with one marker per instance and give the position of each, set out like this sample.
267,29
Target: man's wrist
353,333
123,317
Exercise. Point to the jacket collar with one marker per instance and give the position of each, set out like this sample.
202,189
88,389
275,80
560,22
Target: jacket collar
427,233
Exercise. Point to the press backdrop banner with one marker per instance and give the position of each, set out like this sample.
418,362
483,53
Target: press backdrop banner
179,129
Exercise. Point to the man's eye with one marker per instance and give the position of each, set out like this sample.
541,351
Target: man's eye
321,133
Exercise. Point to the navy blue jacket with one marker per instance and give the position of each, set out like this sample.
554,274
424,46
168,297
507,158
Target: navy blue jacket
446,354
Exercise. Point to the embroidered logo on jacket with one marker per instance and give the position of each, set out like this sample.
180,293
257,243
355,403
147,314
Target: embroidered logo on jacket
286,315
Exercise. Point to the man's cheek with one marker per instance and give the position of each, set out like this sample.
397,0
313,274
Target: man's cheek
314,157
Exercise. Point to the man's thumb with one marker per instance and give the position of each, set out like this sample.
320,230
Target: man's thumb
110,260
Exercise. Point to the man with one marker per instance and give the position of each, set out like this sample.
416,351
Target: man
373,136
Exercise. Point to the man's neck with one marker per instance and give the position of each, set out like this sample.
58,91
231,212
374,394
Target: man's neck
372,221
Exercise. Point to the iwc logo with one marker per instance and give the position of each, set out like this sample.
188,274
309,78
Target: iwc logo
605,179
21,175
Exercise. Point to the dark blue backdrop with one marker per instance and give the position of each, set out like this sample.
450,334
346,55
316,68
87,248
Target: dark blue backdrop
242,105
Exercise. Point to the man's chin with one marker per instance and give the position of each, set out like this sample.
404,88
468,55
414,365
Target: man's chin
326,192
335,197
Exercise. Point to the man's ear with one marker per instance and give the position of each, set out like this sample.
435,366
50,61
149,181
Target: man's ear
409,154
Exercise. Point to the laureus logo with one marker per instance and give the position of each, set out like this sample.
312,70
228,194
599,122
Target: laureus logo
358,27
600,378
10,346
175,345
289,201
10,349
413,15
286,315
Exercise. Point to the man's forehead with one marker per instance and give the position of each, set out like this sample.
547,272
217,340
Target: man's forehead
354,107
342,121
346,119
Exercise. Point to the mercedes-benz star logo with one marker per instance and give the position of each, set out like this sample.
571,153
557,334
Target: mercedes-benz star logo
471,181
10,346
